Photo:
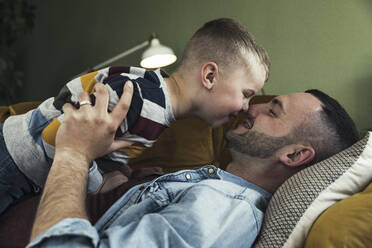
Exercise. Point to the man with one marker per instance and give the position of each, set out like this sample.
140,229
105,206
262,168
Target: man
207,207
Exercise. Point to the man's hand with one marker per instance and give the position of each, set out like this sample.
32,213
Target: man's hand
84,135
90,131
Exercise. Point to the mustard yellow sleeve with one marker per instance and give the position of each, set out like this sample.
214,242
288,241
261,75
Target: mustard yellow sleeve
49,133
88,81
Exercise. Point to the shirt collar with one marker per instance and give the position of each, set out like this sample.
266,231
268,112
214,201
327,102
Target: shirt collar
226,176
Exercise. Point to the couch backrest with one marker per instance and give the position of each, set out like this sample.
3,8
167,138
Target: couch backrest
186,144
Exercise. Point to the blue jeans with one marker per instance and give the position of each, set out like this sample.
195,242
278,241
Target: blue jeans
13,183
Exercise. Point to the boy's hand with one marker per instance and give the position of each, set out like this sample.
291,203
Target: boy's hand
89,132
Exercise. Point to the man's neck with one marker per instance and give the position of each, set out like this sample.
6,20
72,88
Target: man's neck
257,172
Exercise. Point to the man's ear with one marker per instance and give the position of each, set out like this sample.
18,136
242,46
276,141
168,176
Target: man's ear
296,155
209,72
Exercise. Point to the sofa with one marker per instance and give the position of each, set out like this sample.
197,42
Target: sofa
326,205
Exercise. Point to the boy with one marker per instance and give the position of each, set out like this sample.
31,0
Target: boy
222,68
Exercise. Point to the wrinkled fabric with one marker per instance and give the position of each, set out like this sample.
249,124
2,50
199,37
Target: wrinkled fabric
207,207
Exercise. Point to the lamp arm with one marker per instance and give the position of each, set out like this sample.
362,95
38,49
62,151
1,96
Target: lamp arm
121,55
115,58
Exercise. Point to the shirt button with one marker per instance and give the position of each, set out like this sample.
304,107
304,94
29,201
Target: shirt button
210,170
188,176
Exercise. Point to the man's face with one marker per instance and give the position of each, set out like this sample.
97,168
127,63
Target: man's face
269,125
233,90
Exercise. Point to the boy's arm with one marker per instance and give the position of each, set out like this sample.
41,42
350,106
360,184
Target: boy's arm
65,189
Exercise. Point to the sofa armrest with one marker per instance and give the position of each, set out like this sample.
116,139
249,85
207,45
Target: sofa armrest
16,109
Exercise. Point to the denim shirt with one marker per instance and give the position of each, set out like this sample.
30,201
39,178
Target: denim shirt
207,207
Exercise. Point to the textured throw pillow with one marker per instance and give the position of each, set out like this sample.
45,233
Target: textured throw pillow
303,197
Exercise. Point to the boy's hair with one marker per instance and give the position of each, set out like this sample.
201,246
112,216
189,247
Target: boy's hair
223,41
331,131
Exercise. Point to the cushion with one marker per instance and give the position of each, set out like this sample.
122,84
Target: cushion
303,197
19,108
186,144
348,223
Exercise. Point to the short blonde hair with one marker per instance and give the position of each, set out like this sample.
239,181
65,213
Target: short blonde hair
223,41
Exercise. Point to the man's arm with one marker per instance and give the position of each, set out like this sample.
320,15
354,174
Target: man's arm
76,146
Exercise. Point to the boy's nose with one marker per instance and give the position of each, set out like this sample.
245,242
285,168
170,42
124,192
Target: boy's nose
245,106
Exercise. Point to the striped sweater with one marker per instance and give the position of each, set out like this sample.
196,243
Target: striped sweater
30,138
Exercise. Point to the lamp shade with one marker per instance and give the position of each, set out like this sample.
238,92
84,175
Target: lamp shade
157,55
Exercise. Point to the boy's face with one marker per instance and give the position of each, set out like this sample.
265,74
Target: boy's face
233,90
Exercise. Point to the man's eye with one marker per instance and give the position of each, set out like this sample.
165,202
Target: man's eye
272,113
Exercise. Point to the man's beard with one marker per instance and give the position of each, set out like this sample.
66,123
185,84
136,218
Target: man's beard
256,144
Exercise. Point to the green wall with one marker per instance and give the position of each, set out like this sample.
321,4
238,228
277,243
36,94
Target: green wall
325,44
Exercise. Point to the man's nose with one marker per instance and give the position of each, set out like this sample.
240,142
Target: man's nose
256,109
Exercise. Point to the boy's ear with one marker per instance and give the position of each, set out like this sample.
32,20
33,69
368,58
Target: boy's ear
296,155
209,72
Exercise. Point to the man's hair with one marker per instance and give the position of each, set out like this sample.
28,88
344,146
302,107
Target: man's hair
329,131
223,41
